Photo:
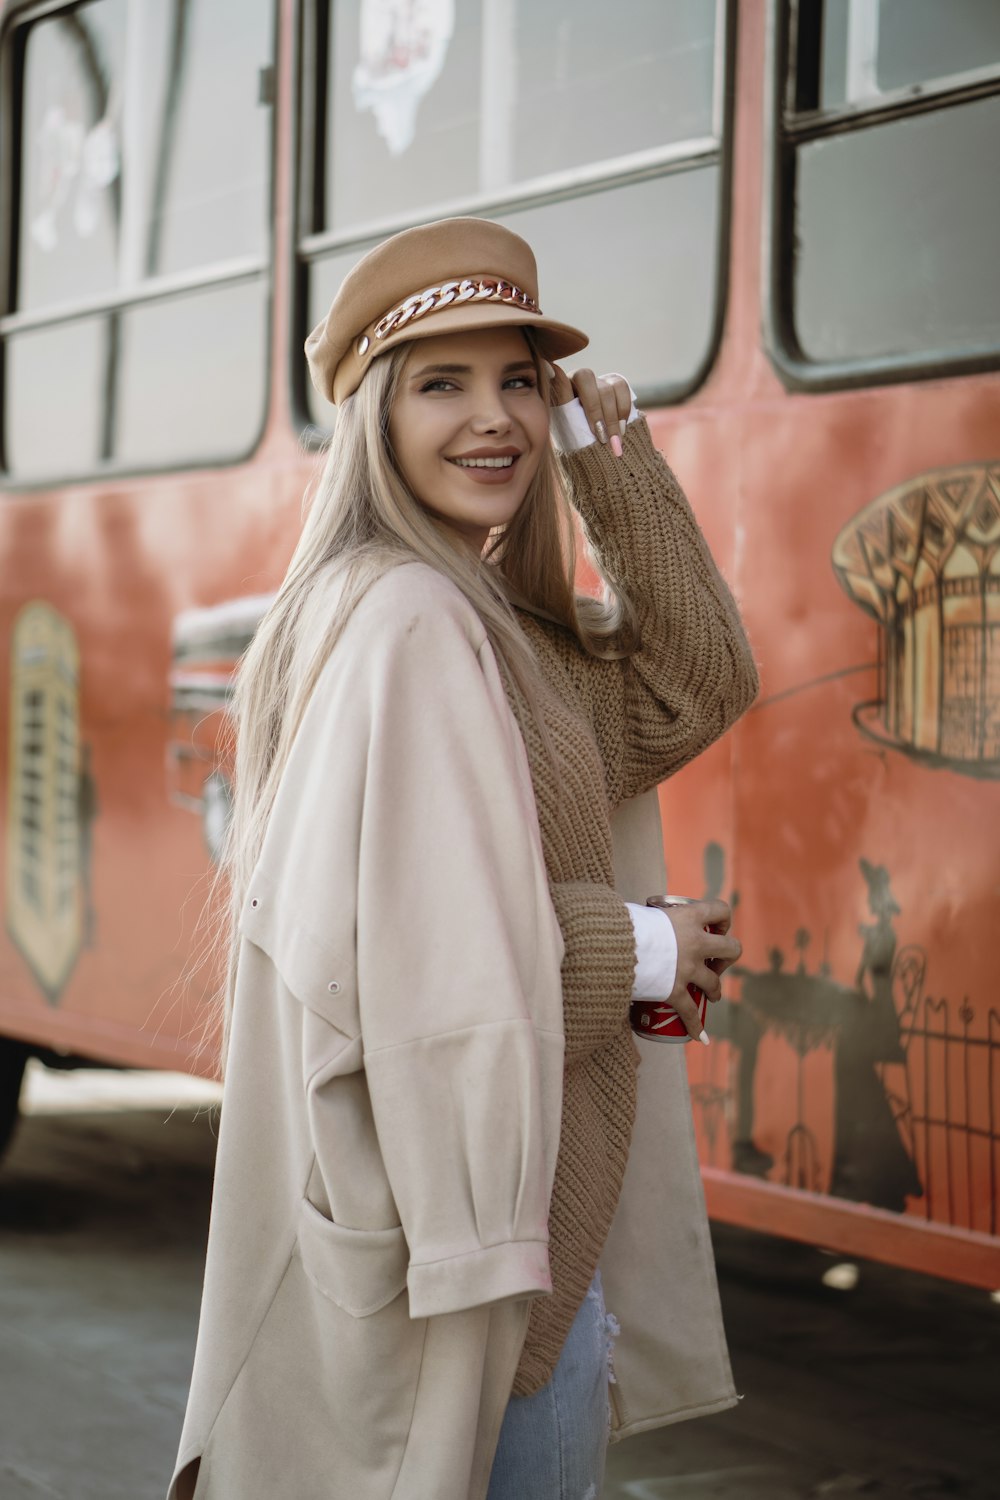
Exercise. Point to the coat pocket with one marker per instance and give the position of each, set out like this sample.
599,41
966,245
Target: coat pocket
361,1270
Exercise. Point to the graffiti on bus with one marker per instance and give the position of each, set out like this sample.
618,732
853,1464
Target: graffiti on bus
51,801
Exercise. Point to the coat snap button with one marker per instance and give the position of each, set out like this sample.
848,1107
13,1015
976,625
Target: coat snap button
333,986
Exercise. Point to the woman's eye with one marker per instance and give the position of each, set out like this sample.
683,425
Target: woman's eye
513,382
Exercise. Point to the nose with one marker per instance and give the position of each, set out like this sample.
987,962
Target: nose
491,416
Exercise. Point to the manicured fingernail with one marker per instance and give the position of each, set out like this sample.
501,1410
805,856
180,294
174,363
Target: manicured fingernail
623,423
703,1037
616,446
602,431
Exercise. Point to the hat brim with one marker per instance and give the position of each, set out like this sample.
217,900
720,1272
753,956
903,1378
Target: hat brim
555,340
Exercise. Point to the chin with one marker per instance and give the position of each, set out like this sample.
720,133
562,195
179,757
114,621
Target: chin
483,515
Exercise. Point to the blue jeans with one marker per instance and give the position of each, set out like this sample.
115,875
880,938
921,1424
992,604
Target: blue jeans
553,1444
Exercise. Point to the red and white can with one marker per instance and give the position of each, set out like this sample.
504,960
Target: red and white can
655,1019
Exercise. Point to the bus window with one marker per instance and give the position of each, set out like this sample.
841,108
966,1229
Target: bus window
141,244
886,209
602,145
873,49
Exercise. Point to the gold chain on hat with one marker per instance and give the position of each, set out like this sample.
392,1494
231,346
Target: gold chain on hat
433,298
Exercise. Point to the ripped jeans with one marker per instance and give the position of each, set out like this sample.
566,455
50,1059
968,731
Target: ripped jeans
553,1444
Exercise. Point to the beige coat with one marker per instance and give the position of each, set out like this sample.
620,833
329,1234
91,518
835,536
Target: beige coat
379,1215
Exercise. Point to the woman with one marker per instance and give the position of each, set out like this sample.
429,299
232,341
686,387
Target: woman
431,1082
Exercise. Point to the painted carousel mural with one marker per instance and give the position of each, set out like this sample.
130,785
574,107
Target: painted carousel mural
924,561
880,1084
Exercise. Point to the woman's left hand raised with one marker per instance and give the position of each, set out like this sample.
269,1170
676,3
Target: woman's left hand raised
606,401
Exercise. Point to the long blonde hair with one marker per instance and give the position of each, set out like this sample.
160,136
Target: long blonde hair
361,520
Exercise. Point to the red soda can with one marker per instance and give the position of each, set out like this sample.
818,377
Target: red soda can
655,1019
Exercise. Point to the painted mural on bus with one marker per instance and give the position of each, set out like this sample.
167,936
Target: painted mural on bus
817,349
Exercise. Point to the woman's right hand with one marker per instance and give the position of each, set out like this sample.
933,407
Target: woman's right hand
606,402
702,957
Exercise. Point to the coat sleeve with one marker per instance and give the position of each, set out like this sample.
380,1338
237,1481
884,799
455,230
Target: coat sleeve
459,953
693,674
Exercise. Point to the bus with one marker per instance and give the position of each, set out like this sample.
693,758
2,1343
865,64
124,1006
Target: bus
779,218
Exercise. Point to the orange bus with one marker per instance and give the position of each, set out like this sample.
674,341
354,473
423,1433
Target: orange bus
783,224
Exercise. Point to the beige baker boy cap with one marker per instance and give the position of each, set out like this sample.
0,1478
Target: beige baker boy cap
446,277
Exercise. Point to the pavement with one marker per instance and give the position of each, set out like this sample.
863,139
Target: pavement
872,1382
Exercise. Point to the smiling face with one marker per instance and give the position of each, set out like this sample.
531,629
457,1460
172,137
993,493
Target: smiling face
469,427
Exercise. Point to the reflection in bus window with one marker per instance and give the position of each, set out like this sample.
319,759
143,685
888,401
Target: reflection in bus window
661,303
872,47
144,157
55,398
653,336
222,386
70,210
898,230
895,211
579,100
570,131
521,90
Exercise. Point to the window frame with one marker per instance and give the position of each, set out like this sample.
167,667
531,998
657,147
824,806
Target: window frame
308,246
785,129
14,26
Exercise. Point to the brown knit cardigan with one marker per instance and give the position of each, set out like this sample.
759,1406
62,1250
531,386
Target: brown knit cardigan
617,728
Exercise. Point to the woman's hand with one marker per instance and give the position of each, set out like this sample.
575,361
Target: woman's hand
606,401
702,957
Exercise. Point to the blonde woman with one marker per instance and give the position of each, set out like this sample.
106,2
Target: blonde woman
431,1083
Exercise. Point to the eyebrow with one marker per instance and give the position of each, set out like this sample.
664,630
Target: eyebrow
519,364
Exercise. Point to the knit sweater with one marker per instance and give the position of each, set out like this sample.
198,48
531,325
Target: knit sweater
617,728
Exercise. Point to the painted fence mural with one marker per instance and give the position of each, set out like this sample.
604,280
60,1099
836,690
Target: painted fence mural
861,1055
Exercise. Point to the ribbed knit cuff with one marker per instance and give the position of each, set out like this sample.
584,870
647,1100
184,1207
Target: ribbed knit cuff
600,483
598,967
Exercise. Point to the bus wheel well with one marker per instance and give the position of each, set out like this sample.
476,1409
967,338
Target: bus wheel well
14,1055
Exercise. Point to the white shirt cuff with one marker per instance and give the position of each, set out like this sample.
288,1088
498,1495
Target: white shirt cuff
570,429
656,952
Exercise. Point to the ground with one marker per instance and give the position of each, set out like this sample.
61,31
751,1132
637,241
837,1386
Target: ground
890,1389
